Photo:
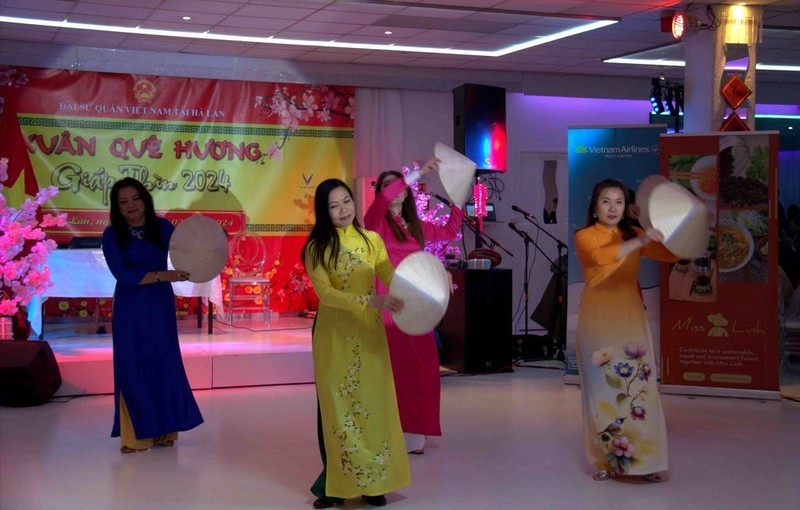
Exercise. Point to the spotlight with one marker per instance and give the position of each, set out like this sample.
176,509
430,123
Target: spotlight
666,95
655,96
669,99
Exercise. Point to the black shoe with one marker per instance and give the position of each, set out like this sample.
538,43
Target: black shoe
323,503
375,500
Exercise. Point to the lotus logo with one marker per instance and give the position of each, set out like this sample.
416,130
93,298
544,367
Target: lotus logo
581,149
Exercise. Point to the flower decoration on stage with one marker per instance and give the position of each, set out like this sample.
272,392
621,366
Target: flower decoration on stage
291,106
24,247
10,77
422,200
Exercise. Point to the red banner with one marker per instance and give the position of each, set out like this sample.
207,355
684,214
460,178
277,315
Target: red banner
248,154
719,318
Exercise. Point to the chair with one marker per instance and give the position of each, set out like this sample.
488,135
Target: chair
247,256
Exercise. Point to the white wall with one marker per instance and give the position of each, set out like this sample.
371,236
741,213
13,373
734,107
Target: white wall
540,124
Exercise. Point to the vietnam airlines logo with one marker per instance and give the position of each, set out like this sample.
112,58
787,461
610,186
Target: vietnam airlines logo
581,149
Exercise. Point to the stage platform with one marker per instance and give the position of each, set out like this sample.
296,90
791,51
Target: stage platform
246,354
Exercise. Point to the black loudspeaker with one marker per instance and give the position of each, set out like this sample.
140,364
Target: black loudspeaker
476,328
480,125
29,374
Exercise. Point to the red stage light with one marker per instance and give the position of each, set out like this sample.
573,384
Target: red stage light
678,25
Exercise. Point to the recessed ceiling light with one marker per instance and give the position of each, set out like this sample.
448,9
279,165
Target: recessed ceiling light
186,18
388,32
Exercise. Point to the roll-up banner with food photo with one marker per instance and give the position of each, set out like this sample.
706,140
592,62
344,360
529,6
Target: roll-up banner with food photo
719,310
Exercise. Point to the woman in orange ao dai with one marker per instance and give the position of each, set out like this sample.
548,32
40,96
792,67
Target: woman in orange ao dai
624,427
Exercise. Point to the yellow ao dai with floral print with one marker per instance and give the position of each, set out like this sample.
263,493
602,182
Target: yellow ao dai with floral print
363,438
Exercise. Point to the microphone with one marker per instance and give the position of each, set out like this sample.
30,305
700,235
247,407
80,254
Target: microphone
442,199
469,221
512,224
523,212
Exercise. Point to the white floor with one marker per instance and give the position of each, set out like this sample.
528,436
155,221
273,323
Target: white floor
511,441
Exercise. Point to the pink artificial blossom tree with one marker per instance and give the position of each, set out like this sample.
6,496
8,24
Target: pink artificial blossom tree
24,248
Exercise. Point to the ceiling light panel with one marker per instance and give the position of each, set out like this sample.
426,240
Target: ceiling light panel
259,11
262,27
330,28
114,11
327,16
396,33
195,19
429,12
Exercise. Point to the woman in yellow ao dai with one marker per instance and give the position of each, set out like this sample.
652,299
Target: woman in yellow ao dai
624,427
363,449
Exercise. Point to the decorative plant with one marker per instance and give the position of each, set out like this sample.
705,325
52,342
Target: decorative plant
24,248
431,215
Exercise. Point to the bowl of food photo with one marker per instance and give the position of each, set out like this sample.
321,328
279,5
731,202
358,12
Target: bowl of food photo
735,246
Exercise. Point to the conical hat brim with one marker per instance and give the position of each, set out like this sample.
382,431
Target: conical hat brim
456,172
200,247
676,212
421,281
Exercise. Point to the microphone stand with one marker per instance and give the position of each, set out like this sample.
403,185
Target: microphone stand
481,235
526,280
560,275
526,277
551,236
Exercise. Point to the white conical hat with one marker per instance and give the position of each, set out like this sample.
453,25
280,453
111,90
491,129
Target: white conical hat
421,281
199,246
456,172
676,212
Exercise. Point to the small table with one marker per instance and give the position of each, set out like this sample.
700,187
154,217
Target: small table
85,273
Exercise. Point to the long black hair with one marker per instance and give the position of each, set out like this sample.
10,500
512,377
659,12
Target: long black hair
152,225
408,210
323,234
624,224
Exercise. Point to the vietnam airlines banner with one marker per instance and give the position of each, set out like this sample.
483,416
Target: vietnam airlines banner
629,154
719,317
249,154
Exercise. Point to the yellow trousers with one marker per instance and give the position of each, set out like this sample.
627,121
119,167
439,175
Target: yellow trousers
127,436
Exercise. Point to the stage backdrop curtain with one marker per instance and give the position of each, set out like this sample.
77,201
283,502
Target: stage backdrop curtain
378,132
